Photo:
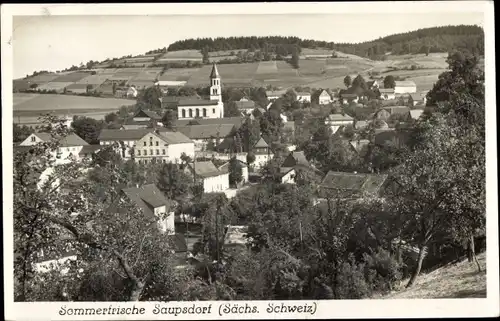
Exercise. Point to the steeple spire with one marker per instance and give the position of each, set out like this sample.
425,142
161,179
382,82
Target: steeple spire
215,72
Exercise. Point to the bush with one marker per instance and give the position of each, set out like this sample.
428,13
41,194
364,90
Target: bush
382,270
351,283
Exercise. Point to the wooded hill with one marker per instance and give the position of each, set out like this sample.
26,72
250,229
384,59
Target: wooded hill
437,39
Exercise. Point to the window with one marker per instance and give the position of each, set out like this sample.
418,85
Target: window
145,162
157,152
150,152
33,138
197,112
183,113
157,143
150,141
163,151
190,113
204,112
138,152
213,110
145,144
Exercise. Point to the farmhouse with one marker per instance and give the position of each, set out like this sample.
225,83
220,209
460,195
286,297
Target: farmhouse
324,98
163,146
405,87
213,179
263,153
207,136
126,138
387,93
143,119
245,107
273,95
335,121
351,185
296,159
303,96
202,108
418,99
69,146
348,98
153,203
244,170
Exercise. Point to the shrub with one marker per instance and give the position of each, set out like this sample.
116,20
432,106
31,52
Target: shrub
351,283
382,270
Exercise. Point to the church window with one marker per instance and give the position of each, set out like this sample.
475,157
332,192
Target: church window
190,113
183,113
213,110
204,112
197,112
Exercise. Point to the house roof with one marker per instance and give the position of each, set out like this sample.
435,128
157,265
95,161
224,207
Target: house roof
397,109
359,144
245,104
123,134
386,90
338,117
370,83
349,96
237,121
147,197
206,131
71,139
196,102
417,96
261,143
303,93
171,137
147,113
179,242
353,182
325,93
90,149
205,169
406,83
225,166
300,158
215,72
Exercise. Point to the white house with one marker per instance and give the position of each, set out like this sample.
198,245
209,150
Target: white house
325,98
405,87
287,175
69,146
244,169
164,147
262,152
126,138
303,96
387,93
335,121
213,179
372,84
153,202
418,99
204,108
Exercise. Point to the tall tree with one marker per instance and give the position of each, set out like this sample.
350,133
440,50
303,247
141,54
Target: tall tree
87,128
347,81
389,82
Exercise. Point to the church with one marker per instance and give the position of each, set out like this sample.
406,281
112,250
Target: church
204,108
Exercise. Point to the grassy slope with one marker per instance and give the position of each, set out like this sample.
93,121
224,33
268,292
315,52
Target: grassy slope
461,280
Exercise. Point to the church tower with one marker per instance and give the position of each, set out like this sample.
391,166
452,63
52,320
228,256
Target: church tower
216,90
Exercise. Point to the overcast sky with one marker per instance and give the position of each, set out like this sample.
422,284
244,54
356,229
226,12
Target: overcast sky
55,42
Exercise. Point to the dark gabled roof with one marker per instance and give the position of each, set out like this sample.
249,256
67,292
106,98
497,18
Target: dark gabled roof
353,182
417,96
87,149
339,117
205,169
178,242
261,143
225,166
171,137
397,109
123,134
245,104
215,72
147,197
296,158
237,121
196,102
206,131
71,139
147,113
349,96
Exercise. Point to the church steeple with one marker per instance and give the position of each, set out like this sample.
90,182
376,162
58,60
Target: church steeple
215,86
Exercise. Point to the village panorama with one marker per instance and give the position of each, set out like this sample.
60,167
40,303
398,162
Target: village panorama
255,168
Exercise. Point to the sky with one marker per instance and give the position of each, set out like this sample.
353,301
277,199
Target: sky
53,43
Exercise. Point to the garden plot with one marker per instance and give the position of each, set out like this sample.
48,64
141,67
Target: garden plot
57,86
267,67
71,77
178,74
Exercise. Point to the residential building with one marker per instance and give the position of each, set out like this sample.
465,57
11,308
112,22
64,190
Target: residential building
387,93
349,98
335,121
360,146
324,98
244,170
360,124
405,87
163,146
262,152
88,150
372,84
143,119
352,185
125,138
303,96
418,99
273,95
205,135
214,180
154,203
245,107
203,108
287,175
131,92
296,159
69,146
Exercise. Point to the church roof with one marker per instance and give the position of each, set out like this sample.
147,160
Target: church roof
196,102
215,72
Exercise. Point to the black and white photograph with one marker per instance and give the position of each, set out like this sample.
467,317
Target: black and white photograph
190,162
